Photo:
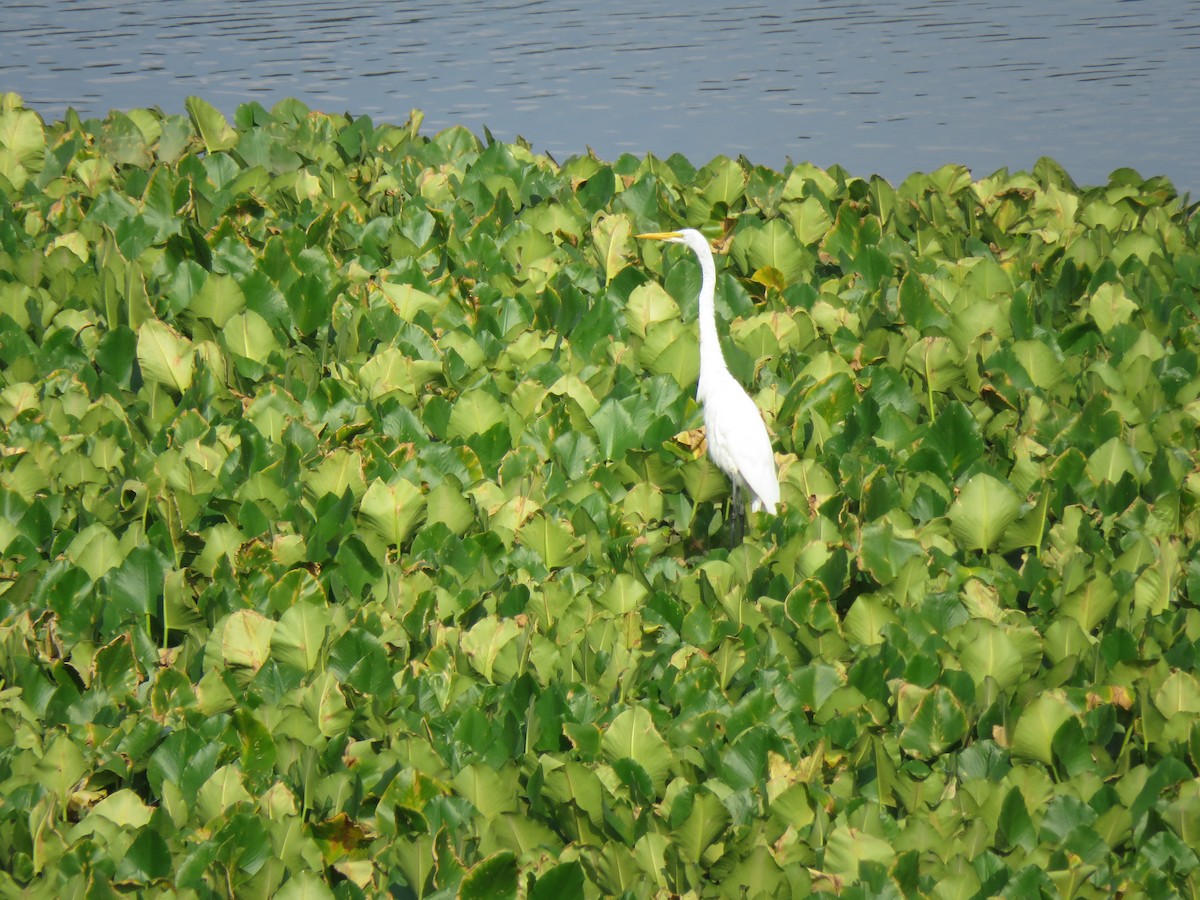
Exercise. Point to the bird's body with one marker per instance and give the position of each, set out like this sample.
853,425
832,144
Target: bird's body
738,442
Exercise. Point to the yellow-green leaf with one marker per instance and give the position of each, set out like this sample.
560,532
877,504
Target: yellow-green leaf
165,356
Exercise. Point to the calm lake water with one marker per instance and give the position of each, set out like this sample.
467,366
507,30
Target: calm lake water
887,87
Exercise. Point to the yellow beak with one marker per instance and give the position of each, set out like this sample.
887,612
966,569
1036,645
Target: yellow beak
658,235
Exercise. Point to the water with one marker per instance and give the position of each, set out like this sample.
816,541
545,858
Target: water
886,87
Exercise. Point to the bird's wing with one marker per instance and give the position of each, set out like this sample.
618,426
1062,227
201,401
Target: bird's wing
737,435
764,482
758,471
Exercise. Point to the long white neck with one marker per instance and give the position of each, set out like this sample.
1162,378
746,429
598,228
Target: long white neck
712,360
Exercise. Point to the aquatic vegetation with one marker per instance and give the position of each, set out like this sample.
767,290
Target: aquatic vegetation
356,533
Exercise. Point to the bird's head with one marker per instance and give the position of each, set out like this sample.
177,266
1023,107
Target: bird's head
688,236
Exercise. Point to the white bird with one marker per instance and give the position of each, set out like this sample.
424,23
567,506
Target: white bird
737,438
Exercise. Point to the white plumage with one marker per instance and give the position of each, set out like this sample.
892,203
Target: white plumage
738,442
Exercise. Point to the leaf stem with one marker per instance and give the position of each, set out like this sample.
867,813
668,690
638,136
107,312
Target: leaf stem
928,379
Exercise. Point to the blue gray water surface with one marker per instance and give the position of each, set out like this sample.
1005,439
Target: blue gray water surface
878,87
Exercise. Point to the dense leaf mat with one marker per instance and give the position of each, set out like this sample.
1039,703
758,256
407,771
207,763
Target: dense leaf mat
358,537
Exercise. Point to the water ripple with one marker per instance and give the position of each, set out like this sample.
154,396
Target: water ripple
887,88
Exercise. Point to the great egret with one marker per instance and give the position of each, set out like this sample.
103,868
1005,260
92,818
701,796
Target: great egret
737,438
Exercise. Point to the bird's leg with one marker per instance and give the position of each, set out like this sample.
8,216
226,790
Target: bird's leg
737,516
